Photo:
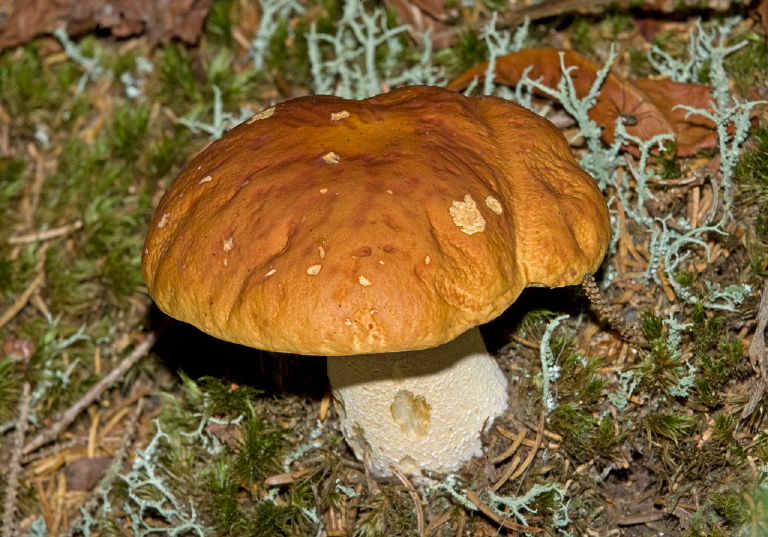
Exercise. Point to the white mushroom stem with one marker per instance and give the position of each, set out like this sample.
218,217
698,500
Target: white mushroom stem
418,410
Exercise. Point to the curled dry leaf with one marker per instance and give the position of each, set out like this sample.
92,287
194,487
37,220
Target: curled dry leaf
647,106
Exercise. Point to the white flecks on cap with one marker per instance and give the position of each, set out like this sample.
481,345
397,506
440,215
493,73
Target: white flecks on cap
335,116
365,282
264,114
331,158
270,273
493,204
163,220
466,215
322,252
390,193
348,322
229,244
206,179
323,190
314,269
225,261
427,260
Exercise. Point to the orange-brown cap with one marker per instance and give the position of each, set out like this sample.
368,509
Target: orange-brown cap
333,227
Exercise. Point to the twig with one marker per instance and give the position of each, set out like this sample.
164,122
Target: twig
33,287
68,416
641,519
47,234
114,469
502,521
416,500
757,346
436,522
14,466
626,330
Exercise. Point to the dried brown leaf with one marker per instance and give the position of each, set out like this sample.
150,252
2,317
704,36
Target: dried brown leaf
647,106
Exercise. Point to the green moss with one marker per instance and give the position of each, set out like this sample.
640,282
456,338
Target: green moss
752,170
730,505
218,23
388,512
127,132
11,379
25,87
668,426
748,66
468,51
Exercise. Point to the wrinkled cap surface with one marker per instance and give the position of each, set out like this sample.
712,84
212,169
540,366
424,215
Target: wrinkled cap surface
333,227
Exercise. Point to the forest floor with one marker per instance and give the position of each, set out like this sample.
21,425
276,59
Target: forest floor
659,430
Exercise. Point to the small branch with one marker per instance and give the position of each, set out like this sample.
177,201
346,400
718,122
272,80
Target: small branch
473,497
616,321
114,469
757,346
14,466
68,416
46,235
32,288
416,500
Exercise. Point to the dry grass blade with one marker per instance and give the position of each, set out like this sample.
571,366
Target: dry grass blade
416,500
68,416
512,448
114,469
532,454
14,466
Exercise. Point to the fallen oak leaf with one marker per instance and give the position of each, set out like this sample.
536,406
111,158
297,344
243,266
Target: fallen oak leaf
648,107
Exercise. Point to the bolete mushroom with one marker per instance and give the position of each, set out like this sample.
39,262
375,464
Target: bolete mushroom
380,233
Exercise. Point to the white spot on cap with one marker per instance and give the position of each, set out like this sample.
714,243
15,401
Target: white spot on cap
323,190
331,158
390,193
163,220
365,282
270,273
225,261
348,322
146,250
374,311
314,269
322,252
493,204
466,215
264,114
229,244
427,260
335,116
381,262
206,179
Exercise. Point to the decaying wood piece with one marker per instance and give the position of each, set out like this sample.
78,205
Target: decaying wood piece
162,21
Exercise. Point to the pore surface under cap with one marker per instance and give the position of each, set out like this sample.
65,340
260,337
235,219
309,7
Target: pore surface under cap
330,226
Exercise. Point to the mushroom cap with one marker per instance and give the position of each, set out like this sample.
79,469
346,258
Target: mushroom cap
329,226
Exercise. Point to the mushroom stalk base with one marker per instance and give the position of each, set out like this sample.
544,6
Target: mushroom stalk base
418,410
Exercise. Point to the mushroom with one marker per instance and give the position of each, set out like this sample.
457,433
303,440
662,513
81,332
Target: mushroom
380,233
